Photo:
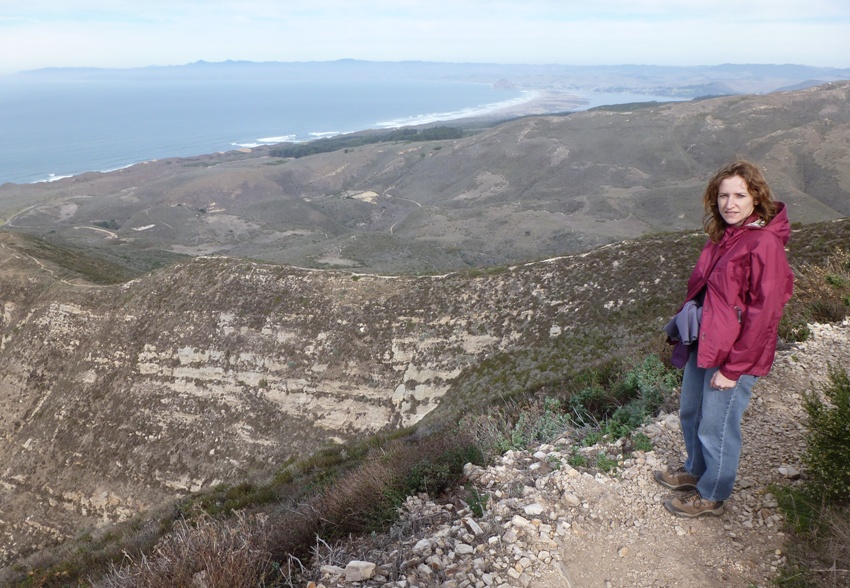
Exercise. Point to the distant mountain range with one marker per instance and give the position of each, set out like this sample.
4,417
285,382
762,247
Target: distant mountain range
680,81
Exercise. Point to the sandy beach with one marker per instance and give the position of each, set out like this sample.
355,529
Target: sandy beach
543,102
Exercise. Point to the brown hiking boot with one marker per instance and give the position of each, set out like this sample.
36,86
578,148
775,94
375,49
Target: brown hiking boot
693,505
677,479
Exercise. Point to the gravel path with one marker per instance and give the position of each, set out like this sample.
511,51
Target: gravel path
548,525
633,541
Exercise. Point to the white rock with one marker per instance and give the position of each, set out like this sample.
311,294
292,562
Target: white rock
472,526
422,545
357,571
571,499
534,510
332,570
672,422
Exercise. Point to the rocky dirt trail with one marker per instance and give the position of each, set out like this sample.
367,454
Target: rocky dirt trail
549,525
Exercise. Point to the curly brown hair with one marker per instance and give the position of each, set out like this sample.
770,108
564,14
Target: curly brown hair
765,204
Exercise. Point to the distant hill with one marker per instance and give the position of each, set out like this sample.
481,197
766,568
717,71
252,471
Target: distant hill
686,81
529,188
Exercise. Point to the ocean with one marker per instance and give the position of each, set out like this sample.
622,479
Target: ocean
50,130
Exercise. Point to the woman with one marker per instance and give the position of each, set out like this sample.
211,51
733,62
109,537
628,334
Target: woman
741,283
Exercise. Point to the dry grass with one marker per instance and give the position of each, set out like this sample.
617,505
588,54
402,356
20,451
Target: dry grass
822,291
264,549
204,553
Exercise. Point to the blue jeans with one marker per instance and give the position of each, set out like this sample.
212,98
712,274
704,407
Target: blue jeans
711,426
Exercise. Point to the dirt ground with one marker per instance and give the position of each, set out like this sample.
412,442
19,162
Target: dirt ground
630,540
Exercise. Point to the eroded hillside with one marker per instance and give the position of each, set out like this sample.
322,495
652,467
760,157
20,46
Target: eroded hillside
114,399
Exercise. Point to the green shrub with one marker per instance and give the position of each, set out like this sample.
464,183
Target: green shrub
827,452
801,509
793,330
819,551
477,501
605,463
534,427
642,442
827,311
836,280
576,459
627,401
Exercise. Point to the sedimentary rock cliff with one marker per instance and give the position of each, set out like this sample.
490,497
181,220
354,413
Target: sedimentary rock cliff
116,398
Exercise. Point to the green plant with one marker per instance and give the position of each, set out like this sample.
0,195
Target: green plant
836,280
819,551
605,463
535,427
802,510
576,459
642,442
618,404
793,330
827,452
477,501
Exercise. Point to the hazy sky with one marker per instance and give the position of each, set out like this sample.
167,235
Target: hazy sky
130,33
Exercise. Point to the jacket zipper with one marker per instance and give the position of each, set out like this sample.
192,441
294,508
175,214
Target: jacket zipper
738,310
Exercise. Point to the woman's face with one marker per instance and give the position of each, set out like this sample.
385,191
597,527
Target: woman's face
734,201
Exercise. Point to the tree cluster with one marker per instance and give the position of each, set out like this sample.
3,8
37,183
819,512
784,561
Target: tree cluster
355,140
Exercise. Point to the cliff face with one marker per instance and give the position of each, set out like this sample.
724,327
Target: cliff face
115,398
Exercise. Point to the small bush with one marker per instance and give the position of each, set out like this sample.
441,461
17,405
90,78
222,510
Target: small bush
536,427
827,311
642,442
477,501
368,498
206,552
818,512
827,452
605,463
576,459
821,294
622,405
794,330
819,553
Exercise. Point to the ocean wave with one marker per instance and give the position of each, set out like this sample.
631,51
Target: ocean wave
325,135
280,139
421,119
52,178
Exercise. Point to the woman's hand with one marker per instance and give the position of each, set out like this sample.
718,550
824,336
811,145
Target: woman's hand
721,382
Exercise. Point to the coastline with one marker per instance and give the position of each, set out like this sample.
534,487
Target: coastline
532,102
541,103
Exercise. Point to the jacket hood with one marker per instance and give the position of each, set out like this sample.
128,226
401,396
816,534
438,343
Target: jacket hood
778,225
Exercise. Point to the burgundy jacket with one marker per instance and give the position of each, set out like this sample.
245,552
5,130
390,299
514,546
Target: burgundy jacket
745,293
